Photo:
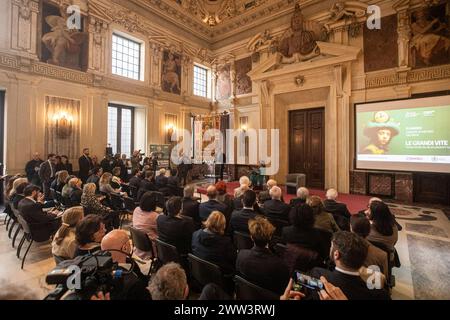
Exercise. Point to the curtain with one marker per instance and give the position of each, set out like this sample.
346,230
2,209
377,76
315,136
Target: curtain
62,130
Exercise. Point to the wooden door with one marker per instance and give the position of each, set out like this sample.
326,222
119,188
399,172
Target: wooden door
307,146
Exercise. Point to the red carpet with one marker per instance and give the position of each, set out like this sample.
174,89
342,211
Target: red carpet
354,202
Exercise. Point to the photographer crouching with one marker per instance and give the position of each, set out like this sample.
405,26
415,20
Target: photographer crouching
111,270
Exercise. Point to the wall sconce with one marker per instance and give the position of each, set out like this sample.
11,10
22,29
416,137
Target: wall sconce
170,128
63,125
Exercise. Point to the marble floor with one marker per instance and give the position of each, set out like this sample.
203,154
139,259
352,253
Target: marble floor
423,247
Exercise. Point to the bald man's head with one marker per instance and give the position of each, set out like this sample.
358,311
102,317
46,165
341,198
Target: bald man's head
117,240
211,192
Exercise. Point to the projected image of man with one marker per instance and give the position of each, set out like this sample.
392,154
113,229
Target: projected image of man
381,130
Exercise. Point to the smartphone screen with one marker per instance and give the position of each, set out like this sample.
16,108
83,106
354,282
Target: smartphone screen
302,280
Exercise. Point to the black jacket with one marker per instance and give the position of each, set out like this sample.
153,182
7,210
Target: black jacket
176,231
161,181
339,212
263,268
239,220
296,202
309,239
352,286
215,248
135,182
86,165
191,209
42,224
75,197
206,208
276,209
30,169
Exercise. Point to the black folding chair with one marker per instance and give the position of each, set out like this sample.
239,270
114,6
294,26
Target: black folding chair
19,226
142,242
205,272
167,252
245,290
242,240
30,236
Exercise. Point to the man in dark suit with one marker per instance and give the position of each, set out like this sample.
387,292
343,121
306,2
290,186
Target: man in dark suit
191,205
337,209
97,172
302,196
240,218
44,224
32,169
259,265
85,164
135,180
173,229
275,208
161,179
146,185
349,251
211,205
47,172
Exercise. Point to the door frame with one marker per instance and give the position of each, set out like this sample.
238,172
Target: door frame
290,112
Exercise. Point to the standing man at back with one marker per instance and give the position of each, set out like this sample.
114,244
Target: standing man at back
32,169
47,172
85,164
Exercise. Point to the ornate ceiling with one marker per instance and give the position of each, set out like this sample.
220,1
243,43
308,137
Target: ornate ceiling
215,20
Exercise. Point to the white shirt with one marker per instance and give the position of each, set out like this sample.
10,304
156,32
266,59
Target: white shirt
350,273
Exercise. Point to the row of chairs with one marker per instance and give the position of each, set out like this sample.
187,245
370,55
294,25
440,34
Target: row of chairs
29,233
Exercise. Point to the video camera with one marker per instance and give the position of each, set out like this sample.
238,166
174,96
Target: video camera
96,272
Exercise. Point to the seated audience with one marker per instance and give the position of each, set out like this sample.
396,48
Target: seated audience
302,196
15,184
383,229
275,208
77,192
161,179
239,218
259,265
116,180
60,181
135,180
31,209
173,229
348,252
94,178
265,195
169,283
212,245
18,195
92,205
191,204
338,210
323,220
367,212
64,245
133,285
303,233
237,202
173,182
244,185
67,189
105,184
226,199
89,233
144,219
146,184
211,205
375,256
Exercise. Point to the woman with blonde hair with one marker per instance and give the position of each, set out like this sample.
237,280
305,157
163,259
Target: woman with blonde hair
105,184
212,245
17,182
64,244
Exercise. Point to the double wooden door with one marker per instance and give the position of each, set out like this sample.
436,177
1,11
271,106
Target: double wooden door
307,145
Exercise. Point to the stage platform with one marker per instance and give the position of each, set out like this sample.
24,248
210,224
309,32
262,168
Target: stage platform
354,202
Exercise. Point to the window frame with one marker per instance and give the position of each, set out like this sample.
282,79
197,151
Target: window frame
141,58
208,84
119,108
